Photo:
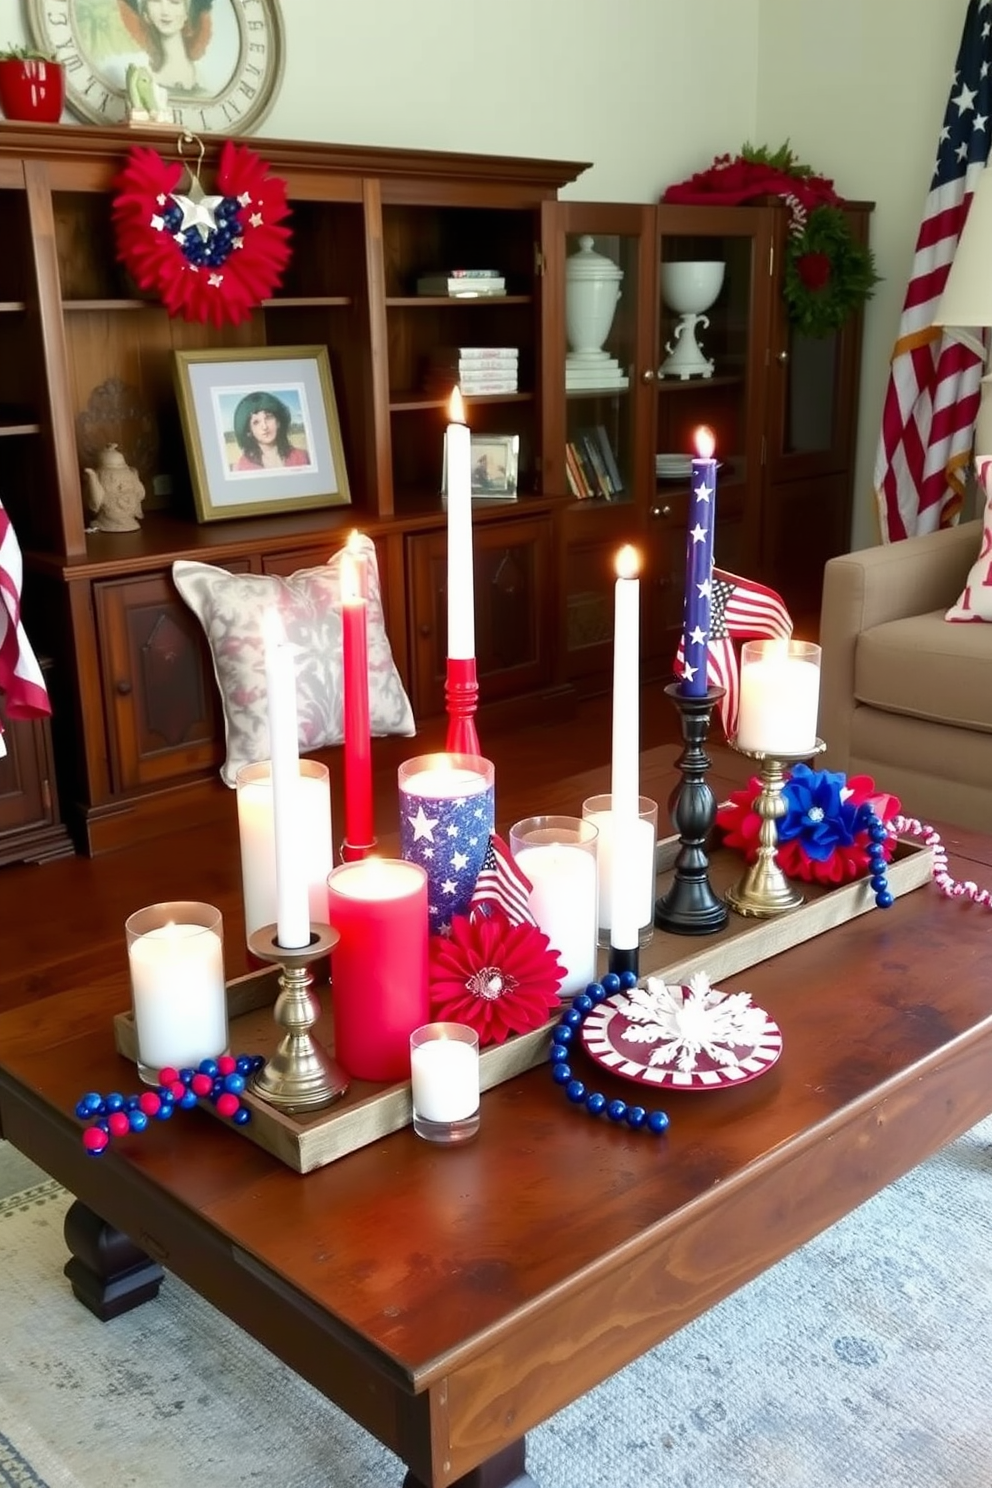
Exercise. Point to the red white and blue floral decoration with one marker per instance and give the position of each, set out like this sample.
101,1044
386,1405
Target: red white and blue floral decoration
208,257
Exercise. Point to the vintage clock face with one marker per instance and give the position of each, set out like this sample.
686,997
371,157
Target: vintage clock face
216,64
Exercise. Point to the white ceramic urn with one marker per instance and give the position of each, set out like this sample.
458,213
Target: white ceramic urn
592,288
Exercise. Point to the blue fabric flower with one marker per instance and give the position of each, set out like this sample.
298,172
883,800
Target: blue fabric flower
819,814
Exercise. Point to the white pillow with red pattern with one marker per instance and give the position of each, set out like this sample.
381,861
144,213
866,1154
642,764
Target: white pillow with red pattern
230,607
975,599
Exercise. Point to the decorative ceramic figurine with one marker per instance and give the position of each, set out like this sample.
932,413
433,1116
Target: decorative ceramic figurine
147,100
114,492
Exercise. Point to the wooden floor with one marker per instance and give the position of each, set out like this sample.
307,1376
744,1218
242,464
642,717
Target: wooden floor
62,923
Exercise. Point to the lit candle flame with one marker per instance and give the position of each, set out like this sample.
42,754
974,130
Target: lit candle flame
705,442
628,562
456,408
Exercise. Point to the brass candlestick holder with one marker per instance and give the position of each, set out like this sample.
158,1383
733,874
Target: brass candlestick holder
764,891
300,1076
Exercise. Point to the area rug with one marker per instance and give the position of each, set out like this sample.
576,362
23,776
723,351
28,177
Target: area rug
862,1361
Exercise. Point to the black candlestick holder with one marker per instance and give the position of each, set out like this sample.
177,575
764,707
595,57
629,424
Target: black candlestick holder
689,905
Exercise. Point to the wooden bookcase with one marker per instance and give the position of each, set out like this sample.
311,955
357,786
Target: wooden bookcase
85,359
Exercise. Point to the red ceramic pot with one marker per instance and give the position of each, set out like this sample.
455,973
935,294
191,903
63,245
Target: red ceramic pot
32,90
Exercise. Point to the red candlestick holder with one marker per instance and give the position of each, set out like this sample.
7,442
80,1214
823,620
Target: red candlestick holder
461,697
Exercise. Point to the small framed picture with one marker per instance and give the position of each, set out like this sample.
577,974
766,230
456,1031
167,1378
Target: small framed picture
494,467
261,430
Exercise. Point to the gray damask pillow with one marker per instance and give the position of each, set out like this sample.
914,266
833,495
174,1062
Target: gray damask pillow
230,608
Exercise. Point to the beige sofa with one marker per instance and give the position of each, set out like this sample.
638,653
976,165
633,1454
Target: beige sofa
905,695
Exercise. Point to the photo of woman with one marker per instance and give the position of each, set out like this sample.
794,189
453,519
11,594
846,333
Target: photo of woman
174,35
265,434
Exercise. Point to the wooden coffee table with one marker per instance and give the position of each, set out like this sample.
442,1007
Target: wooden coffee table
450,1300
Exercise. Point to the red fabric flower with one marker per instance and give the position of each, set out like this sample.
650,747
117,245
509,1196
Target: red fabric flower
221,274
495,977
848,860
814,270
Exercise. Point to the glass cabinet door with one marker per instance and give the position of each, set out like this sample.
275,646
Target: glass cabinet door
711,320
599,359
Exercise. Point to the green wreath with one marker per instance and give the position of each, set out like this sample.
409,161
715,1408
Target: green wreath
828,275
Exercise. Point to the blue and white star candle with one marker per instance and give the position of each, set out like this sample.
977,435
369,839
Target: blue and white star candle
447,814
699,566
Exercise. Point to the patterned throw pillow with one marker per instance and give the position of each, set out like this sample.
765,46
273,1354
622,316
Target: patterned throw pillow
975,599
230,609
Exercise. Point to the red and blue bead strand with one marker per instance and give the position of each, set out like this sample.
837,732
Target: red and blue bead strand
221,1081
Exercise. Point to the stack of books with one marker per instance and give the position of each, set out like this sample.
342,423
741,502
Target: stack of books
590,466
462,284
478,370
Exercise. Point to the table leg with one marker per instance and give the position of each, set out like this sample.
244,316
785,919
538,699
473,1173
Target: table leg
107,1271
505,1469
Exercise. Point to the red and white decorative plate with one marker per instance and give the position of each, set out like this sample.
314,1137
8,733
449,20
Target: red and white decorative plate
682,1037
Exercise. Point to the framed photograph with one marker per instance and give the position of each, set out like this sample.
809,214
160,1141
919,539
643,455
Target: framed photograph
261,430
494,467
215,64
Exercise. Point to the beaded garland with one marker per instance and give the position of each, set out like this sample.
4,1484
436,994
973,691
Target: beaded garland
878,833
563,1036
221,1081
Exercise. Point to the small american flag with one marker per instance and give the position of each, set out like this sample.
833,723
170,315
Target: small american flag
931,402
501,885
20,674
738,608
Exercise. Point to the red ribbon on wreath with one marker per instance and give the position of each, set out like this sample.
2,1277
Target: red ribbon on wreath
208,257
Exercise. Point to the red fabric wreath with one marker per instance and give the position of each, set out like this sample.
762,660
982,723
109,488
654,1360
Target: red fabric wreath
496,977
232,251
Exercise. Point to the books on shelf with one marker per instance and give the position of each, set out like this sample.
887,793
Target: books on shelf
590,466
462,283
495,370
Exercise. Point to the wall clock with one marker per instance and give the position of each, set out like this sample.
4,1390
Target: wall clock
219,61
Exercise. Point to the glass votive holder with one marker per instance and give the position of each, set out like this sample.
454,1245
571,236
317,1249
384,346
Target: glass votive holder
779,698
444,1080
636,867
256,831
447,814
558,855
176,961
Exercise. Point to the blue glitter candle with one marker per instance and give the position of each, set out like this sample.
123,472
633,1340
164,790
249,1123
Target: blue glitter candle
447,814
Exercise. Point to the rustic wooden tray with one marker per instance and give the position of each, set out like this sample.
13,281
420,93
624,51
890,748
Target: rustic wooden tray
369,1111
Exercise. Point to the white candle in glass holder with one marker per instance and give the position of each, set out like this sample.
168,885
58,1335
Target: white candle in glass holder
177,985
256,830
563,902
444,1077
779,699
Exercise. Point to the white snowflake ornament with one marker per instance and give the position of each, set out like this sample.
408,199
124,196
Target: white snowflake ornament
685,1022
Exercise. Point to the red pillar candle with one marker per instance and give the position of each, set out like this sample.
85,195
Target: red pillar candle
699,567
359,830
379,987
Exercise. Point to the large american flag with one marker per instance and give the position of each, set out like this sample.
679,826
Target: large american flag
931,402
21,682
502,885
739,608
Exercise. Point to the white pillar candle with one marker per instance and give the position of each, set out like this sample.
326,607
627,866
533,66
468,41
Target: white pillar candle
292,900
563,902
625,779
179,997
637,876
779,698
256,831
444,1075
461,581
